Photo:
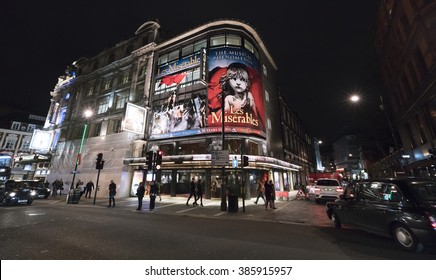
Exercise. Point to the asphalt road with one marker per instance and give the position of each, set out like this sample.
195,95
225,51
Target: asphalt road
298,230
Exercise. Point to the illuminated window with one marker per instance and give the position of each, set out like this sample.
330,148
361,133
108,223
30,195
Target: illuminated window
126,77
107,83
121,100
233,40
103,106
217,40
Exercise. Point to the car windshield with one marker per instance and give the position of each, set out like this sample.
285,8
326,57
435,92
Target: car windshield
327,183
425,191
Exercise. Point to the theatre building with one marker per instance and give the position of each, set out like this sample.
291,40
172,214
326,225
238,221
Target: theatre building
205,99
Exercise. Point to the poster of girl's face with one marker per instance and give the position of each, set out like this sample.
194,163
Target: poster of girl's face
234,75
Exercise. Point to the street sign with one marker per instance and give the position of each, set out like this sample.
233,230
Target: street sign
220,157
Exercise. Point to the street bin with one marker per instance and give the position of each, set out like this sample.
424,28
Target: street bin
233,203
73,196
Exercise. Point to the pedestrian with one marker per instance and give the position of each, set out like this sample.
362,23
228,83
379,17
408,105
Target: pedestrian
140,191
159,184
273,197
199,192
192,191
79,187
54,185
153,194
260,191
60,186
88,189
112,193
268,194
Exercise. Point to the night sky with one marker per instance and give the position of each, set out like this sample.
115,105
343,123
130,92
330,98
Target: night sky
324,49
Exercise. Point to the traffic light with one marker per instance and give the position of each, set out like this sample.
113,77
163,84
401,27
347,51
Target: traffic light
244,161
99,162
149,162
159,158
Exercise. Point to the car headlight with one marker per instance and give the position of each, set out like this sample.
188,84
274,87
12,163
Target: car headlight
12,194
33,193
48,189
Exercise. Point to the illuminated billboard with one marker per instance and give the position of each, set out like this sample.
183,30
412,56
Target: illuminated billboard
41,139
233,73
134,119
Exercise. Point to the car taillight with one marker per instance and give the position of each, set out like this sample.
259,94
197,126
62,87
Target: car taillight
339,189
432,220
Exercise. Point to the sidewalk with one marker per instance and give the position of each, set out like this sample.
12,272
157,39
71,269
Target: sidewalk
293,211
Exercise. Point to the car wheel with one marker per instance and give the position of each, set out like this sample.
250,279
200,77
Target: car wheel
406,239
336,222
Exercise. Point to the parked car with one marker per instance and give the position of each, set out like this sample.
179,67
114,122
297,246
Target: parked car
400,208
12,193
325,190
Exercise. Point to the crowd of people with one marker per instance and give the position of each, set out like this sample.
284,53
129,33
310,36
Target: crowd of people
265,190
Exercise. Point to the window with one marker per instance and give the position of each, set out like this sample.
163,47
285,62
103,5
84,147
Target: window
95,130
369,191
103,106
268,122
217,40
126,77
187,50
233,40
114,126
31,127
10,142
90,90
249,46
200,45
107,83
25,145
173,55
16,126
121,100
162,59
143,71
266,96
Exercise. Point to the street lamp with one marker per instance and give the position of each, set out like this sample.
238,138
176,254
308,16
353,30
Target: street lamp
87,114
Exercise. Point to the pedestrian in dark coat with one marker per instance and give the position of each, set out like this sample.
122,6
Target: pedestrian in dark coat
140,193
112,193
192,192
199,192
154,189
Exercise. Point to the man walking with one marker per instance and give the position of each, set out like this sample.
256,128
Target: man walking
260,191
89,188
192,192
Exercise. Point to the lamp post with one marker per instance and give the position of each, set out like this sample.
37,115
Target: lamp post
355,98
87,114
